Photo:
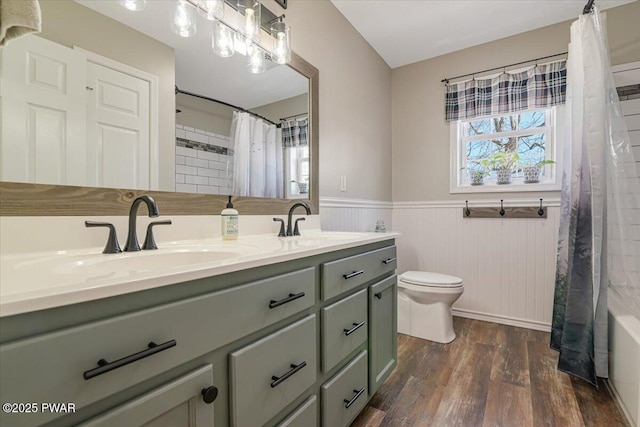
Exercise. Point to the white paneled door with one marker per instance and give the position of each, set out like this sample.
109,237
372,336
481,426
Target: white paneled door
117,128
72,117
43,113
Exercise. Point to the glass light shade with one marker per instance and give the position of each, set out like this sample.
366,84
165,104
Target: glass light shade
250,28
222,40
281,53
184,19
133,5
256,60
213,10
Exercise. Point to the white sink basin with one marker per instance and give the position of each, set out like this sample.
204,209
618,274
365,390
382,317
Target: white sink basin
97,265
325,237
142,261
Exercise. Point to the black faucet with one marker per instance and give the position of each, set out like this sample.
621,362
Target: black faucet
289,228
132,238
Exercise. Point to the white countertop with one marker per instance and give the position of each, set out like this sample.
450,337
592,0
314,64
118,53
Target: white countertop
36,281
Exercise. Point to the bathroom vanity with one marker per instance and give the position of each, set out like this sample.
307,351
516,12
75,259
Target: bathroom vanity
299,332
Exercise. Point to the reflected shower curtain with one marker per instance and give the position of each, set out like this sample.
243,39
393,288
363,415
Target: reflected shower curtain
599,196
255,166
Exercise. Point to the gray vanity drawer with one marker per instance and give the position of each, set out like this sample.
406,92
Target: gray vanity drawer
344,328
347,273
305,415
53,364
269,374
349,384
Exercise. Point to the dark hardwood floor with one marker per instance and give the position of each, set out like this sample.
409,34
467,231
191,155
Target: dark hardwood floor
491,376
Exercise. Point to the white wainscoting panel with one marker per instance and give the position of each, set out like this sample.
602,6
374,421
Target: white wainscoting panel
354,214
507,265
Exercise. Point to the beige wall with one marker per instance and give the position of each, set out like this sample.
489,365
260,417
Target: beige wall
355,100
202,114
420,134
70,24
285,108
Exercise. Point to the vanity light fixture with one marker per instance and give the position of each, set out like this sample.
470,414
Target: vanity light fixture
241,34
256,60
222,40
281,52
252,20
133,5
212,10
184,19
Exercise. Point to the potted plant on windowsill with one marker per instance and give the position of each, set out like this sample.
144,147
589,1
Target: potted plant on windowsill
478,173
531,172
504,164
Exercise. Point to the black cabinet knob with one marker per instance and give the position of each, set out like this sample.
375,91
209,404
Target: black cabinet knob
209,394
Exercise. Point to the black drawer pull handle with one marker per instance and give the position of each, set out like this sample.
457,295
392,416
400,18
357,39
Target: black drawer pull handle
273,303
294,368
104,366
378,295
354,274
356,326
389,260
354,398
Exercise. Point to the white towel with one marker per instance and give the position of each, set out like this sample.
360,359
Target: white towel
18,18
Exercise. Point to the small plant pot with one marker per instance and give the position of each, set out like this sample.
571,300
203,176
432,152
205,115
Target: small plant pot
531,174
503,176
477,179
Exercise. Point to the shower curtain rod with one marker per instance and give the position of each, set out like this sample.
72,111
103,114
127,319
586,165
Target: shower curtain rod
446,80
294,116
235,107
588,7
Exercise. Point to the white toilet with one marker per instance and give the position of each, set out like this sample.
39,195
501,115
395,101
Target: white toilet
424,305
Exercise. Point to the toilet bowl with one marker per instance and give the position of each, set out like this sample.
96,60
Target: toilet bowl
424,305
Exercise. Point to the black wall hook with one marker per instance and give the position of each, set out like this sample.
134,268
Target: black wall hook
467,212
540,211
502,212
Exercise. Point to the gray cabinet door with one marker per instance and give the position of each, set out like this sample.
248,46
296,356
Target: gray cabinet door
383,346
176,404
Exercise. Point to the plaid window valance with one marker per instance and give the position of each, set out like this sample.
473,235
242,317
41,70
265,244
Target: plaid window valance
295,133
541,86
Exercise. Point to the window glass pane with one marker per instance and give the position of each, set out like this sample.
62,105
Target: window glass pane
478,149
532,146
532,119
478,127
519,121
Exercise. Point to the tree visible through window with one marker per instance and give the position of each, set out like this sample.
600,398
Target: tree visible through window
525,133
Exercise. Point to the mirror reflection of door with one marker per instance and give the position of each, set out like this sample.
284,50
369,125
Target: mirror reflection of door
67,120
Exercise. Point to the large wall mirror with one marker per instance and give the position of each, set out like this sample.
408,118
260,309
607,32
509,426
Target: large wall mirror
106,104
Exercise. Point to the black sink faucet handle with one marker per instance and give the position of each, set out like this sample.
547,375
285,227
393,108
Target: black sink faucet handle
112,246
296,230
281,233
149,241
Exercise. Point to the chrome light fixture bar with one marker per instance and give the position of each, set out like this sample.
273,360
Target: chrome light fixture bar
242,37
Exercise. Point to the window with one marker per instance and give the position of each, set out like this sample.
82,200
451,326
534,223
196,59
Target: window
298,172
528,138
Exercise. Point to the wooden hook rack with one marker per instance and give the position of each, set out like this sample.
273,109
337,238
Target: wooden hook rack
504,212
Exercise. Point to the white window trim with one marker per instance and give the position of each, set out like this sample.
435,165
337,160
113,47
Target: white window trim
558,125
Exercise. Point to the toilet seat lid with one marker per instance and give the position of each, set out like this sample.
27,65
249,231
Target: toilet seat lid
427,278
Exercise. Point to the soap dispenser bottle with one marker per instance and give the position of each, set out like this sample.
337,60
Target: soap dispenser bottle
229,221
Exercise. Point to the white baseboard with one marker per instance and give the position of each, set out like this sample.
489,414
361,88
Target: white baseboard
504,320
614,393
